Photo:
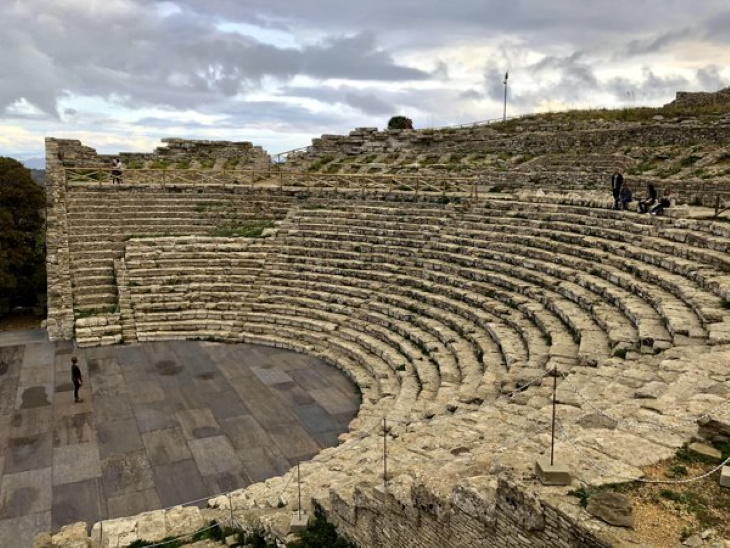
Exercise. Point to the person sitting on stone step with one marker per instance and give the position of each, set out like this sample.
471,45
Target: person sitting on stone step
663,203
650,199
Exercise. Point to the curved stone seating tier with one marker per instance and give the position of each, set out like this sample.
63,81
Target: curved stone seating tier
677,288
99,223
449,317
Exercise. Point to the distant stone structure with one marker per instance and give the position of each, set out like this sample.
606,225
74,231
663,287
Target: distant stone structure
64,153
687,154
701,98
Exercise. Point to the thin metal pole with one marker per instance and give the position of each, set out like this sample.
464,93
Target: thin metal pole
299,490
385,456
552,433
504,114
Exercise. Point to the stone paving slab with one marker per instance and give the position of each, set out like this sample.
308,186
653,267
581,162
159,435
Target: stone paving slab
20,531
10,338
160,424
80,501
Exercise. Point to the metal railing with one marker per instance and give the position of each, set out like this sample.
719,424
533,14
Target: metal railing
282,157
480,122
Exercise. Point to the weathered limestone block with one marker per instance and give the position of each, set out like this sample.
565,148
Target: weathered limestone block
705,450
477,497
613,508
714,428
115,533
72,536
151,526
183,520
524,506
725,476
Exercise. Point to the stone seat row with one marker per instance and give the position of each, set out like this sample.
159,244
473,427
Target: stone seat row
432,349
562,307
700,251
709,277
708,248
550,210
508,298
479,373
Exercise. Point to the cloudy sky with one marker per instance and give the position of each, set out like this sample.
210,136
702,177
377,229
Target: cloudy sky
121,74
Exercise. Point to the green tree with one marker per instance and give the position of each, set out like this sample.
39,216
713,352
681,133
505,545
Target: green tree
400,122
22,236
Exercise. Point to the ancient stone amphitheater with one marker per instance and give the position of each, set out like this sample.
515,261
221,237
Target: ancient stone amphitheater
452,308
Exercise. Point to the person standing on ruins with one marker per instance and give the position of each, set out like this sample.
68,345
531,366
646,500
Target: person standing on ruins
617,181
116,171
76,378
625,196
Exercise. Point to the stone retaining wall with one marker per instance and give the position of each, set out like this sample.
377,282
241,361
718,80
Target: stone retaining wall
485,511
60,295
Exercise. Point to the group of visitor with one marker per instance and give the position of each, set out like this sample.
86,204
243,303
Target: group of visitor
651,203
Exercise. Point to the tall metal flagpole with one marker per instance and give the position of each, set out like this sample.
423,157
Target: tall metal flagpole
504,114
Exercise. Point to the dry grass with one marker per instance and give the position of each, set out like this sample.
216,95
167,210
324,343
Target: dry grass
666,514
633,114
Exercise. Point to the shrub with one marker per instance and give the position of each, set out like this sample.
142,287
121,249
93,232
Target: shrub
22,235
582,493
676,471
400,122
320,534
252,229
134,164
689,160
160,163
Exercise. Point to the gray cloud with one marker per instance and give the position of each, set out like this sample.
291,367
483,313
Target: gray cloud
180,61
474,18
350,57
657,43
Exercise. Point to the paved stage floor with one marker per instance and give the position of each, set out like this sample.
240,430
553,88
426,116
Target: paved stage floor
160,424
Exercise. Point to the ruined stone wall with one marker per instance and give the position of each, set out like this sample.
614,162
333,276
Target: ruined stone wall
60,235
74,154
246,153
535,141
701,98
59,291
495,513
